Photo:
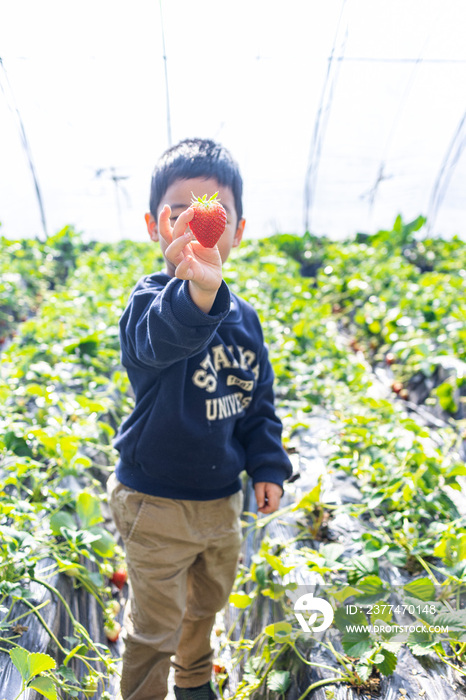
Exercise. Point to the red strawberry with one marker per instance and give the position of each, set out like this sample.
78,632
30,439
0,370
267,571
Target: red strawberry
112,630
390,358
218,666
119,577
209,220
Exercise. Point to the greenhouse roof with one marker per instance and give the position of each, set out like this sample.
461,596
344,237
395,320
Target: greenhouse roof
342,114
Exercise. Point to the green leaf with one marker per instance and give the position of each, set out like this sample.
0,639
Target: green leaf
279,631
309,500
17,444
457,470
375,327
68,674
21,538
259,573
371,590
398,225
39,663
445,393
19,657
80,461
277,565
275,591
364,670
88,509
360,567
88,345
420,642
240,600
356,643
396,556
388,663
30,664
346,617
331,552
250,671
45,686
61,519
278,681
105,545
421,588
96,578
381,613
440,616
340,594
374,547
91,405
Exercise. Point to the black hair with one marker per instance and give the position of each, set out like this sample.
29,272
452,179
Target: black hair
192,158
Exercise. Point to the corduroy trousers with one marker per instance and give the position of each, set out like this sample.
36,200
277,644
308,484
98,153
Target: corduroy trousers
182,558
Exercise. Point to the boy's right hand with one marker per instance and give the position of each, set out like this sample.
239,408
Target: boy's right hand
201,267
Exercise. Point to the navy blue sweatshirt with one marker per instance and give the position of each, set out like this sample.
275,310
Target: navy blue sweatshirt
204,404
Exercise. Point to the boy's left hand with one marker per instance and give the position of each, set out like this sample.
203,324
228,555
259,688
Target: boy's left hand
267,496
189,260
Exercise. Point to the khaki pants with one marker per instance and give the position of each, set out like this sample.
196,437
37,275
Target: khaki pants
182,558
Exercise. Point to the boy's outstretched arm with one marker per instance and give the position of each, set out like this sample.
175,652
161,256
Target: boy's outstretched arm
201,267
267,496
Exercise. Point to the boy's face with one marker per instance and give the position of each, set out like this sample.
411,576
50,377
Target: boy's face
179,195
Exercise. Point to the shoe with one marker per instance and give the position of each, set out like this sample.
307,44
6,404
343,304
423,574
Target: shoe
201,692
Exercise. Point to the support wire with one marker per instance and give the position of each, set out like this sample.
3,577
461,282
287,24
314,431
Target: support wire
320,126
8,93
167,91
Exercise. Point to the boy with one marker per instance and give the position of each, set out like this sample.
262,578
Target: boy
196,360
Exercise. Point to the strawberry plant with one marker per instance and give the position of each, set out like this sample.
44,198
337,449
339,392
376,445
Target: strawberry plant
332,312
61,384
33,669
407,476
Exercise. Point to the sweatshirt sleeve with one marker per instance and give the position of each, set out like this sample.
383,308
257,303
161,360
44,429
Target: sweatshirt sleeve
260,432
162,325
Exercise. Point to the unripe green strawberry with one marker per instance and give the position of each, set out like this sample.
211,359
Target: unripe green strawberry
112,608
89,685
112,629
209,220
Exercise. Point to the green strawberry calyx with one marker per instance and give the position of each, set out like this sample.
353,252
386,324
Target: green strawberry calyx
203,200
